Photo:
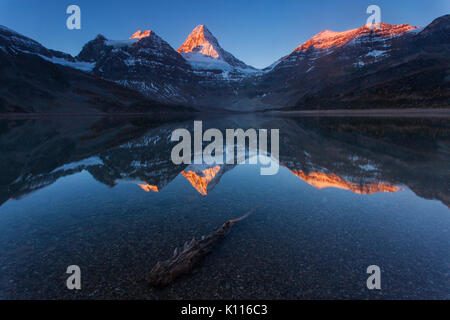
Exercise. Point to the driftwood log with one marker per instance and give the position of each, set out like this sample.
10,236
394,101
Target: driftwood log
185,259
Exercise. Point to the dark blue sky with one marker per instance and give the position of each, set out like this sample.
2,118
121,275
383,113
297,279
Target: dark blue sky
257,32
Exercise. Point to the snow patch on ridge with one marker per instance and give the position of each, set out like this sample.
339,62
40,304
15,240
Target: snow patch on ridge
91,161
376,53
83,66
200,61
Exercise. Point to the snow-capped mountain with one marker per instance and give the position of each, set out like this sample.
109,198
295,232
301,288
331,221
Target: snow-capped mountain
203,74
355,67
203,52
13,42
389,66
144,62
328,39
39,80
372,43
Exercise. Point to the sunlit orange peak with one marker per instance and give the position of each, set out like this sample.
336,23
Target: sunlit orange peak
200,181
202,41
321,180
148,187
139,34
327,39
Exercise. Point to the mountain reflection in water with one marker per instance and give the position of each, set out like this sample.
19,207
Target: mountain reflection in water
322,180
364,156
104,193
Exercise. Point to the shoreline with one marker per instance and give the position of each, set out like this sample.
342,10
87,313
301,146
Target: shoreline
410,112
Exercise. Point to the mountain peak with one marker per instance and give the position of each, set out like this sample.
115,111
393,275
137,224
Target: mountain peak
327,38
200,179
201,28
100,37
139,34
201,40
202,50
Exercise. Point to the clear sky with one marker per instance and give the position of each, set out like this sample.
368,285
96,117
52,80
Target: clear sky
258,32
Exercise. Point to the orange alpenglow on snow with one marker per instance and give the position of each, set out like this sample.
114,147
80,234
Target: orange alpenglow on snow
327,39
148,187
200,40
200,182
139,34
321,180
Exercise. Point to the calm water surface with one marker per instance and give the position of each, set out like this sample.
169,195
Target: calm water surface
103,194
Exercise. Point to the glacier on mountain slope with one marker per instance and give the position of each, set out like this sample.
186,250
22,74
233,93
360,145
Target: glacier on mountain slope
80,65
91,161
199,61
376,53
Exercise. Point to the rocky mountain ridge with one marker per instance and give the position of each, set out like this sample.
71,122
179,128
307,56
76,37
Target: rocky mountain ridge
389,66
